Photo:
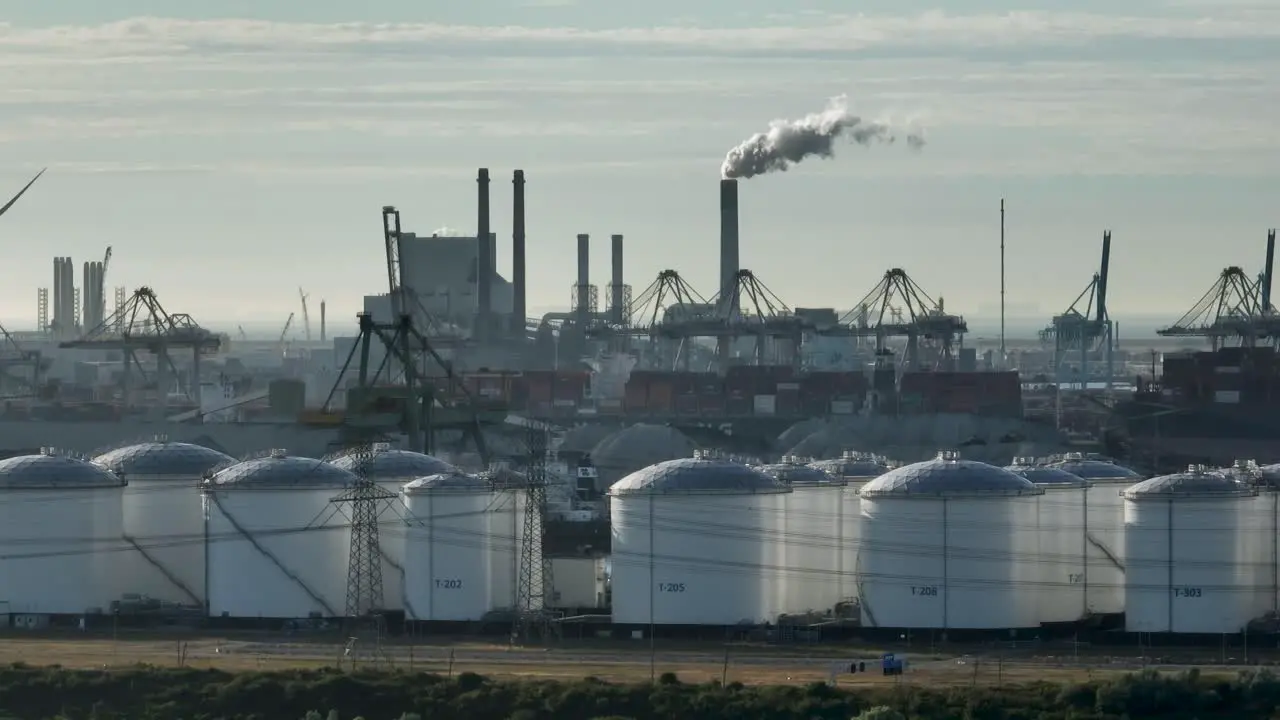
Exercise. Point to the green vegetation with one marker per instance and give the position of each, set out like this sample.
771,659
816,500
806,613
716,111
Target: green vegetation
148,693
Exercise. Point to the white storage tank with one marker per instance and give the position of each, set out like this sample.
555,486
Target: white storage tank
1063,554
390,468
695,542
60,522
1266,527
1104,516
949,544
812,536
163,522
856,469
448,550
1188,564
277,544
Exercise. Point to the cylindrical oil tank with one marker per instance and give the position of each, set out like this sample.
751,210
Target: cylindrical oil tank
277,543
1061,513
390,468
811,535
507,519
949,544
447,548
163,523
1188,567
1104,517
1266,525
695,543
856,469
60,522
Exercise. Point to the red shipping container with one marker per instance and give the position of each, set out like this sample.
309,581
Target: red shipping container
787,403
538,387
711,405
687,404
739,405
661,398
635,397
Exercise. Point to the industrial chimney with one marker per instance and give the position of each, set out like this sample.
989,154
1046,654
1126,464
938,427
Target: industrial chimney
322,320
519,311
58,310
729,263
617,312
583,287
484,259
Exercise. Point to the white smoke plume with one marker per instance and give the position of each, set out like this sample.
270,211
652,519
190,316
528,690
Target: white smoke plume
790,141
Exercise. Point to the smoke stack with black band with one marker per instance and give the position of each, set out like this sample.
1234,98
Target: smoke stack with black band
484,258
519,311
583,287
729,245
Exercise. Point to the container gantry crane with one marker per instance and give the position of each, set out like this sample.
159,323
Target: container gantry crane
898,307
1236,310
11,353
1085,331
655,314
306,316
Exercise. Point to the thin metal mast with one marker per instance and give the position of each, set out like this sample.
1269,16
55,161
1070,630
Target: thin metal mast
1002,348
364,566
535,569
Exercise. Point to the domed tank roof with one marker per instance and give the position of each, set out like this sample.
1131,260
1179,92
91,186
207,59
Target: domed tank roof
584,438
949,476
797,474
1046,476
50,470
854,465
1095,470
698,475
282,471
387,464
642,443
161,458
447,483
1197,482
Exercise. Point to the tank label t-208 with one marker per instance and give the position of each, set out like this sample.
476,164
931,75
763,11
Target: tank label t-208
671,587
1187,592
925,590
448,583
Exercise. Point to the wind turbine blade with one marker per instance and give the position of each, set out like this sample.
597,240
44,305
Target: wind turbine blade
9,204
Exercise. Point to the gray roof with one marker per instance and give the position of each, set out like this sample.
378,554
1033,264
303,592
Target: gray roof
284,471
1047,476
698,475
641,445
396,465
154,459
584,438
852,467
48,470
1098,471
793,474
1195,483
949,476
447,483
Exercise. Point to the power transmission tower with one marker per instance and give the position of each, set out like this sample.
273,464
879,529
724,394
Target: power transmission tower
535,569
364,567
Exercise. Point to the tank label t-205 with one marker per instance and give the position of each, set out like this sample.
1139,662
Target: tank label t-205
671,587
925,590
448,583
1187,592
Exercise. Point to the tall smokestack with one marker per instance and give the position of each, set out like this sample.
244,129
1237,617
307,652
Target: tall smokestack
57,294
617,311
322,320
1267,271
69,287
519,311
729,263
86,296
484,258
583,286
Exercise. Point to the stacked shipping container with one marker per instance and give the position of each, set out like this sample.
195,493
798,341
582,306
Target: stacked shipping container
1230,376
965,393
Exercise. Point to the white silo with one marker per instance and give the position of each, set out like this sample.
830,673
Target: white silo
856,469
507,518
60,521
1104,517
1265,526
277,544
949,544
694,543
1187,563
811,534
390,468
163,522
1061,515
447,550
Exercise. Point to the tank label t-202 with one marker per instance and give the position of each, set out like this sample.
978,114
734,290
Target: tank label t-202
448,584
925,590
671,587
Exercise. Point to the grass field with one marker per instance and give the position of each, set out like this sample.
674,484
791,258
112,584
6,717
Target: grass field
618,662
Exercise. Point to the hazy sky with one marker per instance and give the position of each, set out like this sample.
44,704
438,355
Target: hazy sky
230,159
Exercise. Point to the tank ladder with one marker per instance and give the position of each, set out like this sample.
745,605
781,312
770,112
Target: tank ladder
271,557
173,579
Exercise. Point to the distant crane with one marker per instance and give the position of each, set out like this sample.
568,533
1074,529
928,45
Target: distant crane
102,291
1085,330
1235,310
243,335
288,323
306,316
